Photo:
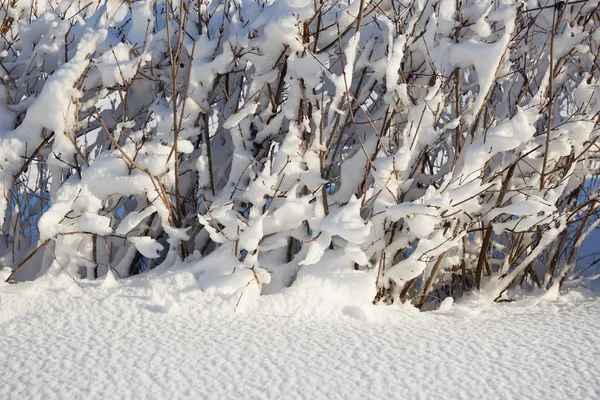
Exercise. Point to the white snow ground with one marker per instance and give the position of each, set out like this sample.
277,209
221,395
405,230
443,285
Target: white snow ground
164,338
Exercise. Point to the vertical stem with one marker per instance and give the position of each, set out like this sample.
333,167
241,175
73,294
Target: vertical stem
488,233
173,58
360,15
208,153
431,279
458,134
95,254
550,99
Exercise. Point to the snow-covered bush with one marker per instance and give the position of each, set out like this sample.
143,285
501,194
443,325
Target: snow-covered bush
438,146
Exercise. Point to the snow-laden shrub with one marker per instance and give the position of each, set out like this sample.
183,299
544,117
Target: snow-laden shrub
439,146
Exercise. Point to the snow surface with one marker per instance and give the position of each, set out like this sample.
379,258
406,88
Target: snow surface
165,338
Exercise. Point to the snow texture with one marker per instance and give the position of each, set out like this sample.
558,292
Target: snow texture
165,338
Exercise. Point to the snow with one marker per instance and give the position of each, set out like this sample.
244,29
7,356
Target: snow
147,246
133,219
165,338
347,223
271,170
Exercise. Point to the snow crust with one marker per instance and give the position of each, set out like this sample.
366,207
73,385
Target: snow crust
165,338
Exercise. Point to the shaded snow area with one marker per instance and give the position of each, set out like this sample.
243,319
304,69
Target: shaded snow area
163,337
